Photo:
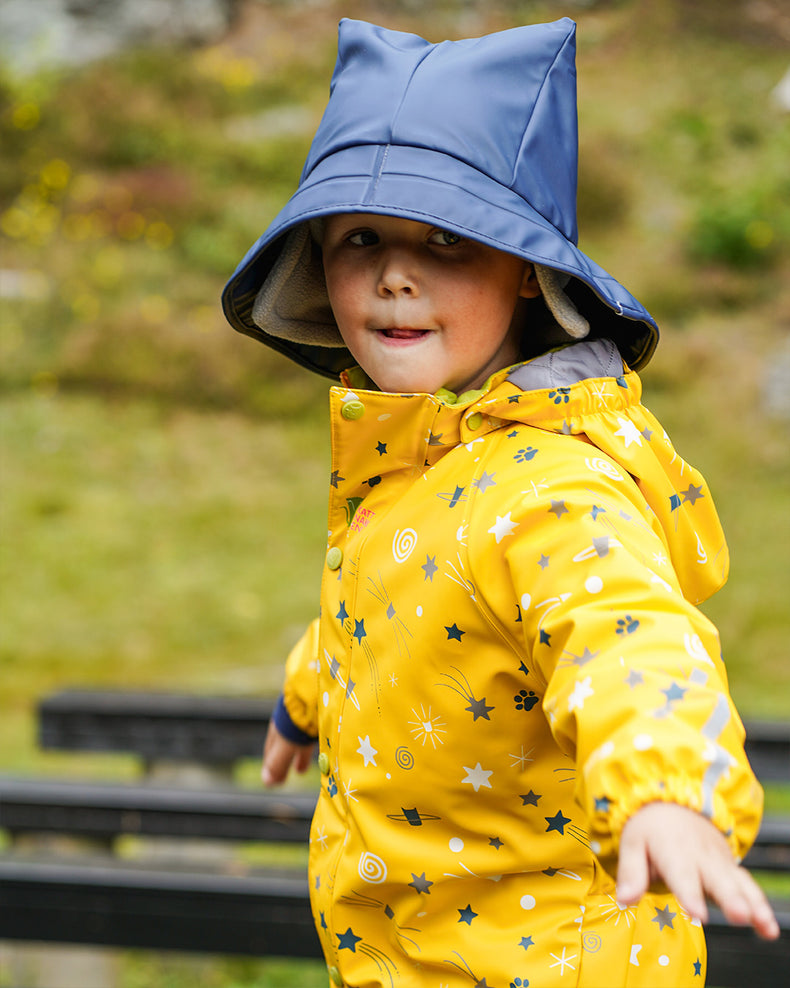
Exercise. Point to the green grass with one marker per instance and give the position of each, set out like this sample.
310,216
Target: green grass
162,546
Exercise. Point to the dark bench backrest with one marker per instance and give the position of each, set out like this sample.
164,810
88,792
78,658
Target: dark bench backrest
155,726
222,730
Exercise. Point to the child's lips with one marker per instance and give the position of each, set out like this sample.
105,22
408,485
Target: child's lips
405,333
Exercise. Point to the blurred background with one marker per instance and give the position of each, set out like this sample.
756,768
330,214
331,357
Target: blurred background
164,479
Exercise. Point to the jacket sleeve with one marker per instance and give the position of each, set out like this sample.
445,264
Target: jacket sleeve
633,686
296,715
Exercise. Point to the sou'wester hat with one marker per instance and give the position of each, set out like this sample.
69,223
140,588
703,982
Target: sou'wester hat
478,137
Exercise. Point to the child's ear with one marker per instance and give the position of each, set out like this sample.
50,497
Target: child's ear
529,283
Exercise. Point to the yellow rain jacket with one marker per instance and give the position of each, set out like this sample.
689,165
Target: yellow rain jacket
508,664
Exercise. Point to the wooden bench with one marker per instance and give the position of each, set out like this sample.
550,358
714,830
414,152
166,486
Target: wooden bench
98,899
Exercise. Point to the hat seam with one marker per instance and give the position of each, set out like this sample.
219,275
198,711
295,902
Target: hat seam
381,161
517,159
406,89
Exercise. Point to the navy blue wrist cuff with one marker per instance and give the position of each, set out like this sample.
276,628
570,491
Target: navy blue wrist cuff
286,727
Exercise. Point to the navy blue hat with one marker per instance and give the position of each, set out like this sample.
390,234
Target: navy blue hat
476,136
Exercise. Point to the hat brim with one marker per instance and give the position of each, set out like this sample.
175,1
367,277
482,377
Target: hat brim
400,181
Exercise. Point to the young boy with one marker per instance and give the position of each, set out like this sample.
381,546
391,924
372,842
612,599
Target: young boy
514,695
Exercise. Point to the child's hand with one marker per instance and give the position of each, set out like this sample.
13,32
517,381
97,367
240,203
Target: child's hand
689,854
279,754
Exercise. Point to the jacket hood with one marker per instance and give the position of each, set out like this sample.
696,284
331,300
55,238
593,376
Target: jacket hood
582,390
477,136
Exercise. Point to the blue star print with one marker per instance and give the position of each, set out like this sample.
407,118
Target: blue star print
557,822
467,915
348,941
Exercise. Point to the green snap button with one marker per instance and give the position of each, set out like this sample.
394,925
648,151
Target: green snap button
334,557
323,763
474,421
334,976
352,410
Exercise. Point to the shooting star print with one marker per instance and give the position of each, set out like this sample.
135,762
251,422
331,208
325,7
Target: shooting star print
460,684
399,629
334,672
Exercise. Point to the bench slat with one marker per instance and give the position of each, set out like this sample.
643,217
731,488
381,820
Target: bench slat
103,811
264,917
123,907
222,730
176,727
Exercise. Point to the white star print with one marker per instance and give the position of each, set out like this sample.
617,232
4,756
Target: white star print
522,759
540,486
601,392
367,750
478,776
348,792
562,961
629,432
502,527
581,691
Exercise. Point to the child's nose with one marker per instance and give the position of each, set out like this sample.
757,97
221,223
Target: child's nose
398,275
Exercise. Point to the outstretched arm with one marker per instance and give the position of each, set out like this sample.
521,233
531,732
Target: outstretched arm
676,845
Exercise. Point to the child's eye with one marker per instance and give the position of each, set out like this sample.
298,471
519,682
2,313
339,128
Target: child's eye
445,238
363,238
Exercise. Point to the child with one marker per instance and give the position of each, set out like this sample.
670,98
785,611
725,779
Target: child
514,696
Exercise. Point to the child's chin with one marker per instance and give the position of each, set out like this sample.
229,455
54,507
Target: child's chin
395,384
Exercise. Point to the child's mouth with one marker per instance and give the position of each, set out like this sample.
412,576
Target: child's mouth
404,333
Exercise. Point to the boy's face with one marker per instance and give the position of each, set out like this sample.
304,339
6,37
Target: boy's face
421,308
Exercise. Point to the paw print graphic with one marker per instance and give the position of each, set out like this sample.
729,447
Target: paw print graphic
627,625
331,786
560,396
525,700
525,454
519,983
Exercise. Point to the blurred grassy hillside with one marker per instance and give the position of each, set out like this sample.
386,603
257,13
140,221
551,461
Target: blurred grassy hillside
164,479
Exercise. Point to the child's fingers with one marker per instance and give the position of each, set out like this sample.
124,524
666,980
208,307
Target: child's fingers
303,758
633,868
742,901
693,859
685,882
278,753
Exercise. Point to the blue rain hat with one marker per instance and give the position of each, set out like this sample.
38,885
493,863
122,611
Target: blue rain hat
476,136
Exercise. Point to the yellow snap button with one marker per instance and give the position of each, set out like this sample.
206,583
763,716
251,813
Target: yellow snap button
323,763
475,420
352,410
335,977
334,557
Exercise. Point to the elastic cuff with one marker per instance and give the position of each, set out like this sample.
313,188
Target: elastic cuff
286,727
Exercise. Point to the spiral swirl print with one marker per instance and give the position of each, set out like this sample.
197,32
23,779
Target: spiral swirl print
599,465
371,868
404,758
591,942
403,544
